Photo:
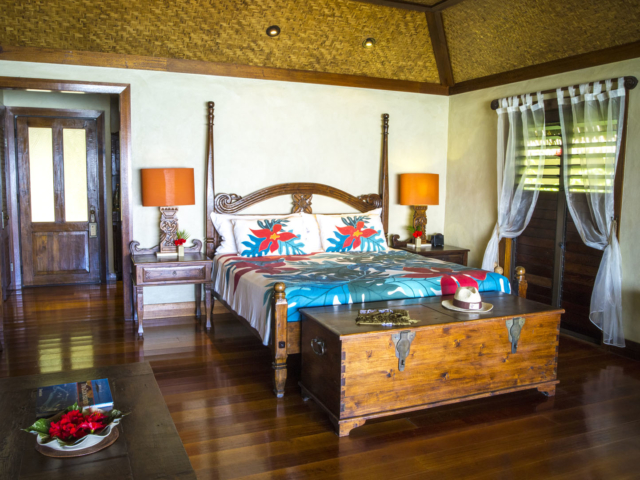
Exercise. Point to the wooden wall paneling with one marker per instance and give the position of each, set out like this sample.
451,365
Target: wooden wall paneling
440,48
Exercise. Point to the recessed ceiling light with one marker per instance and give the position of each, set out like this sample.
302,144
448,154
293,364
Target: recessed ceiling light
273,31
36,90
369,43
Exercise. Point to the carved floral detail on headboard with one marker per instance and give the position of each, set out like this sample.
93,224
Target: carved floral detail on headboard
224,203
302,203
372,199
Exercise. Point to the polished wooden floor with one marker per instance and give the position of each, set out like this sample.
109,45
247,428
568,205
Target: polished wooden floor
218,390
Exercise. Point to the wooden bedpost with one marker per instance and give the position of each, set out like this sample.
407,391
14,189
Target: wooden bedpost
522,282
520,279
384,175
279,339
210,242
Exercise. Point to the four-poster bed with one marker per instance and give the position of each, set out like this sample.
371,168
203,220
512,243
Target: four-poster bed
284,336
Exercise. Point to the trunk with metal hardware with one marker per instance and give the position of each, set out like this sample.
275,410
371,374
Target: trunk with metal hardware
361,372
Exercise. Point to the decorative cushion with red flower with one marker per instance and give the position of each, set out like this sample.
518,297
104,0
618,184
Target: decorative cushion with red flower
223,223
270,236
355,232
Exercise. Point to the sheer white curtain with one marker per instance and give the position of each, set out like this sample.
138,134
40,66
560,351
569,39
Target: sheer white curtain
521,142
591,122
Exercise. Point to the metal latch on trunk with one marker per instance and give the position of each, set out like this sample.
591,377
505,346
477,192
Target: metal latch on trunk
514,327
402,341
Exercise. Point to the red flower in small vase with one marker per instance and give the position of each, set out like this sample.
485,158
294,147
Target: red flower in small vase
273,237
179,241
355,233
417,234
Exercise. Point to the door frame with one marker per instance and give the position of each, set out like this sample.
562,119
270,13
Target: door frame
123,90
98,116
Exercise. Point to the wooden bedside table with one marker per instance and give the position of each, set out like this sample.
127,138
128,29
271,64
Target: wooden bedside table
148,270
448,253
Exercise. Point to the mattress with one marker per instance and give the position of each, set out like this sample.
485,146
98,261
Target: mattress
321,279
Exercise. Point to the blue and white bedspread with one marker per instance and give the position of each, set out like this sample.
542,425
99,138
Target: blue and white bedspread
319,279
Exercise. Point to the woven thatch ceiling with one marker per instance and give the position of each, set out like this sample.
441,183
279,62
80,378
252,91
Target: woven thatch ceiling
484,36
494,36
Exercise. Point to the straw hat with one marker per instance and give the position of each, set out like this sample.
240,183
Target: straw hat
468,300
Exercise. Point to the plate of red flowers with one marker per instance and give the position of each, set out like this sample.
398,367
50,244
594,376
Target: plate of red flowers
74,429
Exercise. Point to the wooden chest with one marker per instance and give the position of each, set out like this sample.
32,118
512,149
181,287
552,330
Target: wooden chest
357,372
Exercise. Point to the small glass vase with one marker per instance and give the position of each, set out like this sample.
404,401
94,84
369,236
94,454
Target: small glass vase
180,251
418,243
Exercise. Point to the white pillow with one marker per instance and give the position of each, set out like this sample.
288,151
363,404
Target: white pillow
270,236
353,232
222,224
313,232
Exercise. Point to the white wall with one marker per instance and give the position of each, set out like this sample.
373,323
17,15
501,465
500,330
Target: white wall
269,132
22,98
471,204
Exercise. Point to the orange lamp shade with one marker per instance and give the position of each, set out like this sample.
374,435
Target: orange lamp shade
167,187
419,189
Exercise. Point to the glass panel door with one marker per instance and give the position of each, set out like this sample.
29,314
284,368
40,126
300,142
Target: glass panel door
41,174
74,147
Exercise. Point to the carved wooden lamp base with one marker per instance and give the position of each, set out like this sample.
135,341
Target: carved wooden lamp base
168,230
420,219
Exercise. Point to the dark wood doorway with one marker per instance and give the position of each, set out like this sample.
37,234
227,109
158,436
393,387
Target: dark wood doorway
59,187
5,233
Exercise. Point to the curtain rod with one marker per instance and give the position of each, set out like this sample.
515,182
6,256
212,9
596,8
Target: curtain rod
629,83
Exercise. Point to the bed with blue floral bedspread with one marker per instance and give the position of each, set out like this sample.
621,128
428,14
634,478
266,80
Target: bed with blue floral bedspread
323,278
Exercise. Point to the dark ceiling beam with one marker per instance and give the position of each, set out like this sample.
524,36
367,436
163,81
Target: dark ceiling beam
444,4
416,7
568,64
116,60
440,48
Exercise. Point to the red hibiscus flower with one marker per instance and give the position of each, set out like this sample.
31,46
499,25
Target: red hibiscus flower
448,283
354,234
94,421
272,238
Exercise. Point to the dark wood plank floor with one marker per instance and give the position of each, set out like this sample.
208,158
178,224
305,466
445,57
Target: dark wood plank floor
218,390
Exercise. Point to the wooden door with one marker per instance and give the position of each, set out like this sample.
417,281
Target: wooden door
5,228
59,195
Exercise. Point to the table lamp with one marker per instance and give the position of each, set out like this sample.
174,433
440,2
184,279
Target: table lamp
167,188
419,190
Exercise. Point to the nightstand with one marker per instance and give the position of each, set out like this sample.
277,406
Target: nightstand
448,253
148,270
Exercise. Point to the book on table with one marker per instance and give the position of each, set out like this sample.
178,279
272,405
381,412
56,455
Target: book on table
87,394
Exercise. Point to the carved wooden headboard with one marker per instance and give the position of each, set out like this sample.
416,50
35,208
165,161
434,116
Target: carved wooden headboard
302,192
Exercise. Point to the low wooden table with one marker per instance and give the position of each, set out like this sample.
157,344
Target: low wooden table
149,446
148,270
356,373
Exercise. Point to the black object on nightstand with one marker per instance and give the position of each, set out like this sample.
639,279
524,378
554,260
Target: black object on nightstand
448,253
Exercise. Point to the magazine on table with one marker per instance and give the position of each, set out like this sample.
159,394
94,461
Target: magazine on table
87,394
